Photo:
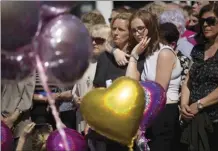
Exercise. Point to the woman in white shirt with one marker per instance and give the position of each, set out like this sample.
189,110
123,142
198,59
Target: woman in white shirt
161,65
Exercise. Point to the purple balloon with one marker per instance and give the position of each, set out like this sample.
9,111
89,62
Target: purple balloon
64,48
155,101
17,66
75,140
6,138
47,11
19,21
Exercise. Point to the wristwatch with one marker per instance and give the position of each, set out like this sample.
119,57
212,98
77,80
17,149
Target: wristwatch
199,105
135,56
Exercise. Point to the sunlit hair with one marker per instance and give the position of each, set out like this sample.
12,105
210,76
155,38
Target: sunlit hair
174,16
93,18
39,138
123,16
100,30
156,8
151,24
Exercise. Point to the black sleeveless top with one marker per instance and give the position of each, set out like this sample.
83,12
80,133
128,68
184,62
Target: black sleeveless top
203,78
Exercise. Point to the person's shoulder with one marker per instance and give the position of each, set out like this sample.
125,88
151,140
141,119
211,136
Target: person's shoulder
167,53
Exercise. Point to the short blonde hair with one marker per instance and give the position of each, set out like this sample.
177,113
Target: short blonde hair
100,30
156,8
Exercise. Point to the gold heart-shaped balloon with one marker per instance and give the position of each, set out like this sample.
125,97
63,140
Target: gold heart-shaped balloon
115,112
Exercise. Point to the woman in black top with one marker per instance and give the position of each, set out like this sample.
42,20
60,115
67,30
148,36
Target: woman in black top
108,69
199,104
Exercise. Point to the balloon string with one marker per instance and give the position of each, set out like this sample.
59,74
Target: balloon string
51,101
132,144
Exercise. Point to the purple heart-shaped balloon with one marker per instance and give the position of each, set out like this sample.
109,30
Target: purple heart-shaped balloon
155,100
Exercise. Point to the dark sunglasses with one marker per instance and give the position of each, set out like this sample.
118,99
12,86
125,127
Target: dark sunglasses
98,40
211,21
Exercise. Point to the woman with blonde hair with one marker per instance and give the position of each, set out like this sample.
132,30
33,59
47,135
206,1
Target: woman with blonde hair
107,71
99,34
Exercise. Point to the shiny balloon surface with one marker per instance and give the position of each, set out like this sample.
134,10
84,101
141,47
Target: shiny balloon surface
16,66
19,21
6,138
64,47
115,112
155,101
75,141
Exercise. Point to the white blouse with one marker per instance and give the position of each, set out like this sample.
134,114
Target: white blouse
149,73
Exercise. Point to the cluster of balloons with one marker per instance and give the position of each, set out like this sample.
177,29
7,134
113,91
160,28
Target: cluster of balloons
47,38
54,142
126,104
48,31
50,39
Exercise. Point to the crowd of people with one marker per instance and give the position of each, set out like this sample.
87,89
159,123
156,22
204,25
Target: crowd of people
174,45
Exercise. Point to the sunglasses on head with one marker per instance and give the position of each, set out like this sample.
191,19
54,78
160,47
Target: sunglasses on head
98,40
211,21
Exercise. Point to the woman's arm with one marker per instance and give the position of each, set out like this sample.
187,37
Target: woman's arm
119,55
165,63
132,70
185,93
210,99
24,136
39,98
184,105
66,95
207,101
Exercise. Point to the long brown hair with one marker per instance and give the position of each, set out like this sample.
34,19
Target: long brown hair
151,23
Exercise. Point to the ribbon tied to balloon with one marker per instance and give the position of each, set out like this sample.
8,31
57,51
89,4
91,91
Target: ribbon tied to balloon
115,112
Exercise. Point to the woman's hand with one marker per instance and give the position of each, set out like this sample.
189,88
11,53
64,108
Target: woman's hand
120,57
9,121
140,47
28,130
78,100
86,130
185,111
138,135
194,108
